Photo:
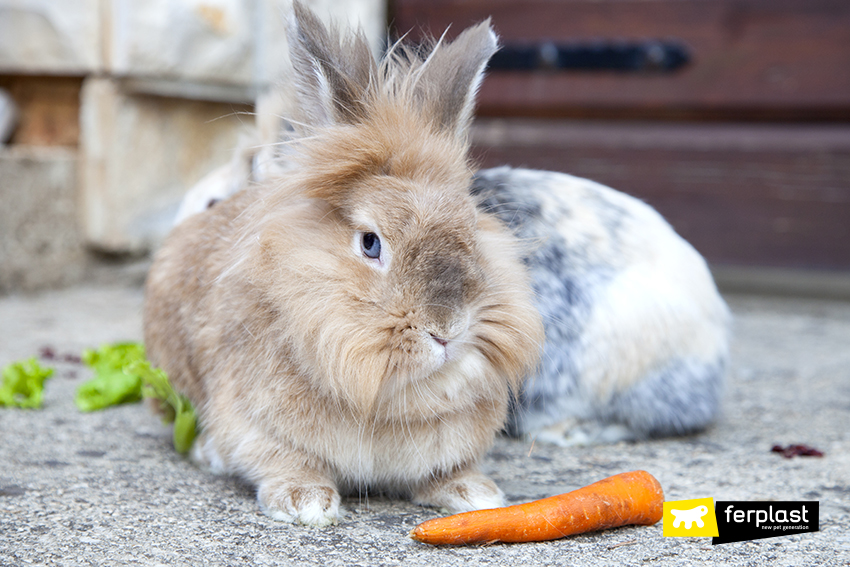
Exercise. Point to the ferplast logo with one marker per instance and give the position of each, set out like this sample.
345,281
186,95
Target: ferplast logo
728,521
742,521
690,518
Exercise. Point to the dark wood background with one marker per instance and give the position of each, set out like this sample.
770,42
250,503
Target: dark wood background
746,150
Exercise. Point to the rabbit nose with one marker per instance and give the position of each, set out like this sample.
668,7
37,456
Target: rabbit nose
443,334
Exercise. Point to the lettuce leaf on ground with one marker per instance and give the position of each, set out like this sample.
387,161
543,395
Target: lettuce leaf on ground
124,375
23,384
110,385
175,407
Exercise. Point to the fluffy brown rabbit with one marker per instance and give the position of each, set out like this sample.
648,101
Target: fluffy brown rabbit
357,324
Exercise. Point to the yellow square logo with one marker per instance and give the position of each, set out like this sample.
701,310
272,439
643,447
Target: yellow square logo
690,518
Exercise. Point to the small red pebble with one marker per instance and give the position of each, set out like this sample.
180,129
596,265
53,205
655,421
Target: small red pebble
72,359
47,353
795,450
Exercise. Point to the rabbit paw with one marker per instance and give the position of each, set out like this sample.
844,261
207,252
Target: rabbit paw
461,493
310,505
205,455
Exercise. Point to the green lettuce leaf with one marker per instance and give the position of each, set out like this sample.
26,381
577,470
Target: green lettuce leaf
122,375
176,406
108,389
185,429
23,384
114,356
111,385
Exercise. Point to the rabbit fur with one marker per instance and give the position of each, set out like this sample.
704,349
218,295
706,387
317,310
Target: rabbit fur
636,331
359,323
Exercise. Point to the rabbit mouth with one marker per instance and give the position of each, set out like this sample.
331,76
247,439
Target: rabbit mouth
442,387
445,351
440,348
425,354
447,342
420,357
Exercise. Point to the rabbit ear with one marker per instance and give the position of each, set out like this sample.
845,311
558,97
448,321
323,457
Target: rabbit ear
451,75
332,76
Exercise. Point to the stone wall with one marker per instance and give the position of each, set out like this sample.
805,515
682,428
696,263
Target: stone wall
165,90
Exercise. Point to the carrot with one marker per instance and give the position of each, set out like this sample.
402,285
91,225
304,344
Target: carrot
623,499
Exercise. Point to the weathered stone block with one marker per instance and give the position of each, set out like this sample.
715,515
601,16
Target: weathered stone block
62,37
218,49
139,155
40,242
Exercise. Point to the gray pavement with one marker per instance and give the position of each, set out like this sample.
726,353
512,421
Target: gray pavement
106,488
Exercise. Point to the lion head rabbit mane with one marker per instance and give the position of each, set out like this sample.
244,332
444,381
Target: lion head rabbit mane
358,323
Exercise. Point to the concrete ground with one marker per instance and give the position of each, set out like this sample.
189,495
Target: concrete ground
107,488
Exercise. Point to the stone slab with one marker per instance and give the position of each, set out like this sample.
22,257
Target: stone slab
213,49
40,241
139,154
46,37
218,49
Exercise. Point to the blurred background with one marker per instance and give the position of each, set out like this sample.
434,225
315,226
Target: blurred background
731,117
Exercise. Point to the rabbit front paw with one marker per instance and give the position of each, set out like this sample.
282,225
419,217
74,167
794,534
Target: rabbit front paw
311,504
461,493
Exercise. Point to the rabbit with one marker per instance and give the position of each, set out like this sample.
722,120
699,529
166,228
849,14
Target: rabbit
637,334
359,323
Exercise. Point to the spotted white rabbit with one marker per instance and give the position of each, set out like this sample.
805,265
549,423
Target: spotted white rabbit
636,331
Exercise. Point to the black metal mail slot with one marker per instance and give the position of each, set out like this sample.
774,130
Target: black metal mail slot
623,56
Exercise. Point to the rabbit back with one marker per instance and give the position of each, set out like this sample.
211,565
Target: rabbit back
636,331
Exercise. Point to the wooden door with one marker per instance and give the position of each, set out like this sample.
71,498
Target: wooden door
745,148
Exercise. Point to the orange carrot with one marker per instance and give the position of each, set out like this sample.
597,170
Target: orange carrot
623,499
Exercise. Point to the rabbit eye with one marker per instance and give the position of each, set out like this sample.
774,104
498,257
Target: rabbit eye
371,245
